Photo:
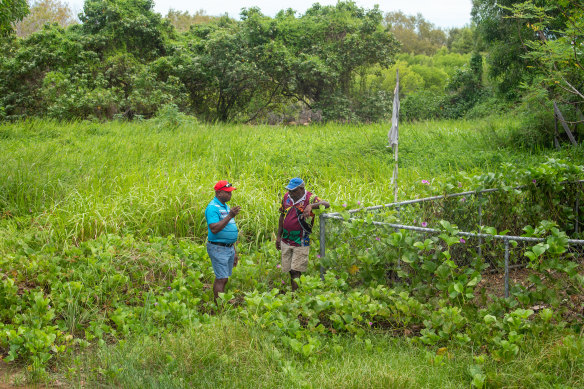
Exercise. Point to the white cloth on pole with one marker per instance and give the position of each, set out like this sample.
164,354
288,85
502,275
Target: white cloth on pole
393,134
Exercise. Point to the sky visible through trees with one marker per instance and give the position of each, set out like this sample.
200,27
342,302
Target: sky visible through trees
444,14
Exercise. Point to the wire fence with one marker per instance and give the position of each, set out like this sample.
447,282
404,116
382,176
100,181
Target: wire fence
472,210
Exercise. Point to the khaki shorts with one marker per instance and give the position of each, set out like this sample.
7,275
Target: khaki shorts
294,258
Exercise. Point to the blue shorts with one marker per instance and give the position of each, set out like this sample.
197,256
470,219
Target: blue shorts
221,259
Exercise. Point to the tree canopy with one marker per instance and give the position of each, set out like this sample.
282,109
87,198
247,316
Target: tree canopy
183,20
43,12
11,11
554,45
125,59
416,34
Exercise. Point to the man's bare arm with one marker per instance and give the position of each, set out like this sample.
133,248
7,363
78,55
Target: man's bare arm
280,231
316,205
216,227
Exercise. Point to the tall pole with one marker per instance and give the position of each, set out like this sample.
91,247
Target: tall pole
393,134
395,171
322,222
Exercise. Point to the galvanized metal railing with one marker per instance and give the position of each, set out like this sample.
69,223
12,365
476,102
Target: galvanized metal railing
505,238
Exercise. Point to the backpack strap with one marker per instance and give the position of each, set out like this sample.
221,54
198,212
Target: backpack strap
306,227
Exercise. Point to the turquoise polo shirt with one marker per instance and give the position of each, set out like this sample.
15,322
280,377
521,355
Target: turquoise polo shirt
215,212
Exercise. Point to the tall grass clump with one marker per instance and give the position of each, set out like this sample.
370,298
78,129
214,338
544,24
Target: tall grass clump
82,179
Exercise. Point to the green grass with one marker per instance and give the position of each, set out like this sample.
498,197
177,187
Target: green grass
80,180
65,184
226,353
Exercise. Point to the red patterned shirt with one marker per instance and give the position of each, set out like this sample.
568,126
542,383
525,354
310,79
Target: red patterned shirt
297,229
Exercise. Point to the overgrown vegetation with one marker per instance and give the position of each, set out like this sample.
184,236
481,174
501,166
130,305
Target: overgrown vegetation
101,250
124,59
331,63
85,179
533,55
109,157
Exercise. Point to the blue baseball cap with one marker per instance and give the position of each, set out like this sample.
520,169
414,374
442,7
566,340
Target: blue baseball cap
295,183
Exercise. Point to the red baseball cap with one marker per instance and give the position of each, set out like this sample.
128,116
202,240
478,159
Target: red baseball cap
224,185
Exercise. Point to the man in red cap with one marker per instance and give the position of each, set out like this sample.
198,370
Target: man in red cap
222,235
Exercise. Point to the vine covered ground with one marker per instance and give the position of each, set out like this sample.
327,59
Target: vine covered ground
104,278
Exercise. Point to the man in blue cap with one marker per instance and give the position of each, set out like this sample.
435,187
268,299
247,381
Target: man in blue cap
222,235
295,226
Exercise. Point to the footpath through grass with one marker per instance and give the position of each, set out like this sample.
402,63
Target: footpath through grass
104,280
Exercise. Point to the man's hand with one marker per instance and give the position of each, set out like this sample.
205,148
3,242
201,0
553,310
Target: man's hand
216,227
234,211
307,211
235,259
278,243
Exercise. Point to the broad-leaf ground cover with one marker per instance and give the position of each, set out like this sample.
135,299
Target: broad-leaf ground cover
105,281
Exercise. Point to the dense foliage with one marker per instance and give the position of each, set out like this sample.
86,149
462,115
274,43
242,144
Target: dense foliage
102,224
417,35
183,20
11,11
534,55
330,63
554,49
102,242
43,12
124,59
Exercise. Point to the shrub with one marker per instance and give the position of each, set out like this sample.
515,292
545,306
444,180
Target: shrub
422,105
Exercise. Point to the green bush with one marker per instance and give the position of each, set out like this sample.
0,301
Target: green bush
488,106
422,105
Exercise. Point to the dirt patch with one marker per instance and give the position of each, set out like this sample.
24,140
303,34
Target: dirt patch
494,283
12,377
15,377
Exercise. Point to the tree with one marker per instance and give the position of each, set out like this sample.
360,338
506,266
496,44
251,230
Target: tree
555,47
99,69
11,11
23,69
416,34
503,37
233,78
130,25
43,12
182,20
461,40
465,88
247,67
350,40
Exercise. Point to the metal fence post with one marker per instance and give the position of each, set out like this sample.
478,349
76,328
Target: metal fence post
506,268
322,222
577,226
480,223
398,258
